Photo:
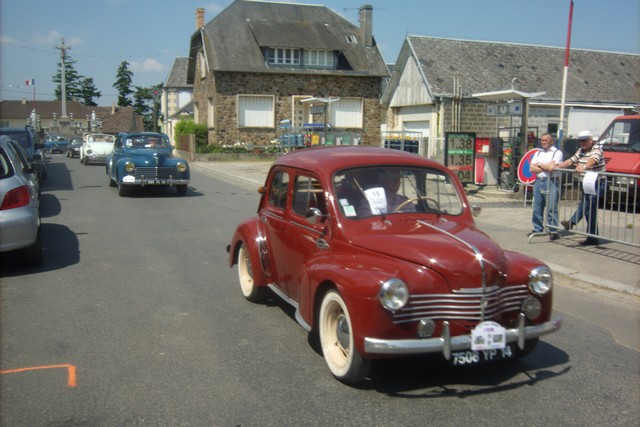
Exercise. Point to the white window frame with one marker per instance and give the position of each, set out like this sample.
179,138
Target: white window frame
210,113
256,111
318,58
347,113
283,56
203,65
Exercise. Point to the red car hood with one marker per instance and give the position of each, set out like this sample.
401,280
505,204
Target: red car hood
443,246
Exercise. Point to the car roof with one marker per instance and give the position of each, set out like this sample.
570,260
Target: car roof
332,159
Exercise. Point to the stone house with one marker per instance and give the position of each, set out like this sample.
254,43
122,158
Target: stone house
259,64
80,118
177,96
499,89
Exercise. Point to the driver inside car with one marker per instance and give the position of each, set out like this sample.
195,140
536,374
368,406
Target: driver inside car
384,197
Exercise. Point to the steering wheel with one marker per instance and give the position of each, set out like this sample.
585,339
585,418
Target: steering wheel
415,199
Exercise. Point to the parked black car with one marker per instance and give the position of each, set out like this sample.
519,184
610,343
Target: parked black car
73,149
28,138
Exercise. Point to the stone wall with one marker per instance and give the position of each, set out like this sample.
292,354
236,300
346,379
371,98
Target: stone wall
225,87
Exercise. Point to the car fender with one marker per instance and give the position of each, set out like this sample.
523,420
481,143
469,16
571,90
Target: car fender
258,251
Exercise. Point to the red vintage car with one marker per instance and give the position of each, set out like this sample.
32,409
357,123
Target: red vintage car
378,252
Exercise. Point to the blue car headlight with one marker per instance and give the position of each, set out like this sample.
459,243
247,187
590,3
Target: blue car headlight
181,166
129,167
393,294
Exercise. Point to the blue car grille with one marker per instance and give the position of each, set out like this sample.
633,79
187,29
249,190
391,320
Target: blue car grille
465,304
158,173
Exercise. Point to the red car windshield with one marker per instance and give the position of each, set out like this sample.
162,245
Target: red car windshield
382,190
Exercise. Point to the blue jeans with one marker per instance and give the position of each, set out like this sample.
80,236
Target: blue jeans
545,194
588,208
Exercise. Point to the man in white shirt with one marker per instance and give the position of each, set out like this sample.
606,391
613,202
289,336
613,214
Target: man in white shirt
545,188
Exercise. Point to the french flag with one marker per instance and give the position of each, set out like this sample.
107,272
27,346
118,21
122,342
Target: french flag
30,82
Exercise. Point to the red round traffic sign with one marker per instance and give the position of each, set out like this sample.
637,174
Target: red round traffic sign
524,167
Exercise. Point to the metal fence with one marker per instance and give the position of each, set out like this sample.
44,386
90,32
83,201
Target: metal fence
613,198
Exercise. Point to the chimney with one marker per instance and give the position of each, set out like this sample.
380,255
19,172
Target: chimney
199,18
113,108
366,25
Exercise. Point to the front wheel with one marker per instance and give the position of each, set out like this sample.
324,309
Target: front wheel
336,338
181,189
248,286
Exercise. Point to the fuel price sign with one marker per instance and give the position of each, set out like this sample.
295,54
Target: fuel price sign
460,154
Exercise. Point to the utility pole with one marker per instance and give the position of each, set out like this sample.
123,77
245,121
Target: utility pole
63,80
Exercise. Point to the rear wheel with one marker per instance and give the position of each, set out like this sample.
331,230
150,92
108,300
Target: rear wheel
248,286
336,338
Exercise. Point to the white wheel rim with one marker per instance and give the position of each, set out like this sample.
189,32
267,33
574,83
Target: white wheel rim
335,335
245,273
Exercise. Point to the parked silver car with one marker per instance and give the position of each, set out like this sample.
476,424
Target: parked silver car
19,204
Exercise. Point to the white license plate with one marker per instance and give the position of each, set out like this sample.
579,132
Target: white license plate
473,357
156,181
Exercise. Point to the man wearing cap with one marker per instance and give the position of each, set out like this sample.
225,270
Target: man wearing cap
545,189
588,158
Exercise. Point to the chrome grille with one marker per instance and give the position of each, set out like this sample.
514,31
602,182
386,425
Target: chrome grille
465,304
157,173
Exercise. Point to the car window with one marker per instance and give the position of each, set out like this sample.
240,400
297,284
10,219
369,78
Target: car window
386,190
19,137
308,193
5,166
278,190
21,155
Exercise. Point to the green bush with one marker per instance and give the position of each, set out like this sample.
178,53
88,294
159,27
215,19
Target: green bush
188,127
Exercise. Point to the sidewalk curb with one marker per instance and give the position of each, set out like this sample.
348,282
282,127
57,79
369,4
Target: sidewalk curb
594,281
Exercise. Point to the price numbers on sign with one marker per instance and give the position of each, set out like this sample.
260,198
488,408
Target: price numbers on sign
460,154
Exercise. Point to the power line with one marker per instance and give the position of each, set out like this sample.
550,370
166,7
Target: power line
88,55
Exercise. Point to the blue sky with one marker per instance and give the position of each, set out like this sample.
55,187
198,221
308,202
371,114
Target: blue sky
149,34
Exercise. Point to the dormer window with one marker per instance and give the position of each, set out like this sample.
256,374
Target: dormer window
318,58
351,39
283,56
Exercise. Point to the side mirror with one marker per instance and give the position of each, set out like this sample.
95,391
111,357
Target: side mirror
39,146
37,156
476,210
313,215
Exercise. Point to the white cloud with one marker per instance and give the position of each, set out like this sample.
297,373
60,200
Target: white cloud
149,65
54,37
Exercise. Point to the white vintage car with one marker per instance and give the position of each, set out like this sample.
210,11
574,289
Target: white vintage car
96,148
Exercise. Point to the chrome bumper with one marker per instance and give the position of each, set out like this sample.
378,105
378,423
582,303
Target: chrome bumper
156,181
446,344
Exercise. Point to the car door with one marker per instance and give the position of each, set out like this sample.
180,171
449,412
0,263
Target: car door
272,240
306,239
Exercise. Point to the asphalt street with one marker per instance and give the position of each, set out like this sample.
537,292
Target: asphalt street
507,220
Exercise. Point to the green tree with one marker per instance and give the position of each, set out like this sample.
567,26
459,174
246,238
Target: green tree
73,79
88,92
147,104
124,77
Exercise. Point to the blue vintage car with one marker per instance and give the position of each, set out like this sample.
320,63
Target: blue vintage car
143,159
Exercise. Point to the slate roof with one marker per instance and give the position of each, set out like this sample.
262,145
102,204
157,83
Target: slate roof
177,77
114,119
593,76
233,39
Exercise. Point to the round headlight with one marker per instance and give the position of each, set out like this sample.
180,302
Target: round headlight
393,294
531,307
182,167
540,280
129,167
